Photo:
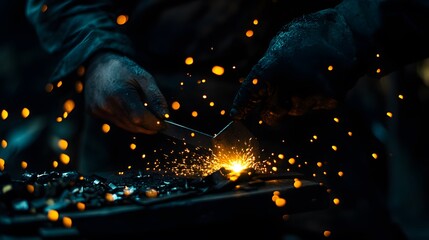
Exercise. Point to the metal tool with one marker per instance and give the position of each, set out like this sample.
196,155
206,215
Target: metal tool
233,135
188,135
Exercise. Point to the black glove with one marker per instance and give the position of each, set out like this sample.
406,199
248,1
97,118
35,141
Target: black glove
309,65
119,90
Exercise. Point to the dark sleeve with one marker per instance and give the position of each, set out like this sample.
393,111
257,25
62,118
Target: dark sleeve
73,30
397,30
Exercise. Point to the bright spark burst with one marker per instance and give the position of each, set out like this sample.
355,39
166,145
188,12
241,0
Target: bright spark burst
198,162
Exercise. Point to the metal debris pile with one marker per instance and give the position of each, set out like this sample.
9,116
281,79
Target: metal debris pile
71,191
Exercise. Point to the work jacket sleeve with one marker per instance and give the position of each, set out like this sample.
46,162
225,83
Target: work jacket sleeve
73,30
388,33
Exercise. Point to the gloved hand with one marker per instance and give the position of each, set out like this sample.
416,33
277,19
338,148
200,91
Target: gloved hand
118,90
294,77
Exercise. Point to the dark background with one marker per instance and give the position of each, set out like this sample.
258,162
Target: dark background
377,195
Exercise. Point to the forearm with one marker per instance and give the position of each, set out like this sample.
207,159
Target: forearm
74,30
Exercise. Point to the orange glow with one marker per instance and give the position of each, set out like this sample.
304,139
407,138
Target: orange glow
59,119
189,61
109,197
67,222
78,86
319,164
175,105
59,83
249,33
64,158
3,143
194,113
389,114
335,148
297,183
44,8
69,105
122,19
255,81
4,114
30,188
133,146
49,87
2,163
218,70
80,71
274,198
374,155
260,122
127,191
336,119
24,164
151,193
25,112
291,161
211,104
281,156
222,112
55,164
80,206
53,215
378,70
105,128
255,22
280,202
336,201
340,173
63,144
350,133
330,68
327,233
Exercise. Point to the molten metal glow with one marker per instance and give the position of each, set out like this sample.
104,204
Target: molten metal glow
233,159
67,222
218,70
63,144
105,128
175,105
53,215
122,19
2,163
25,112
189,61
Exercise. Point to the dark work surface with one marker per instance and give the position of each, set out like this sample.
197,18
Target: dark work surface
183,207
